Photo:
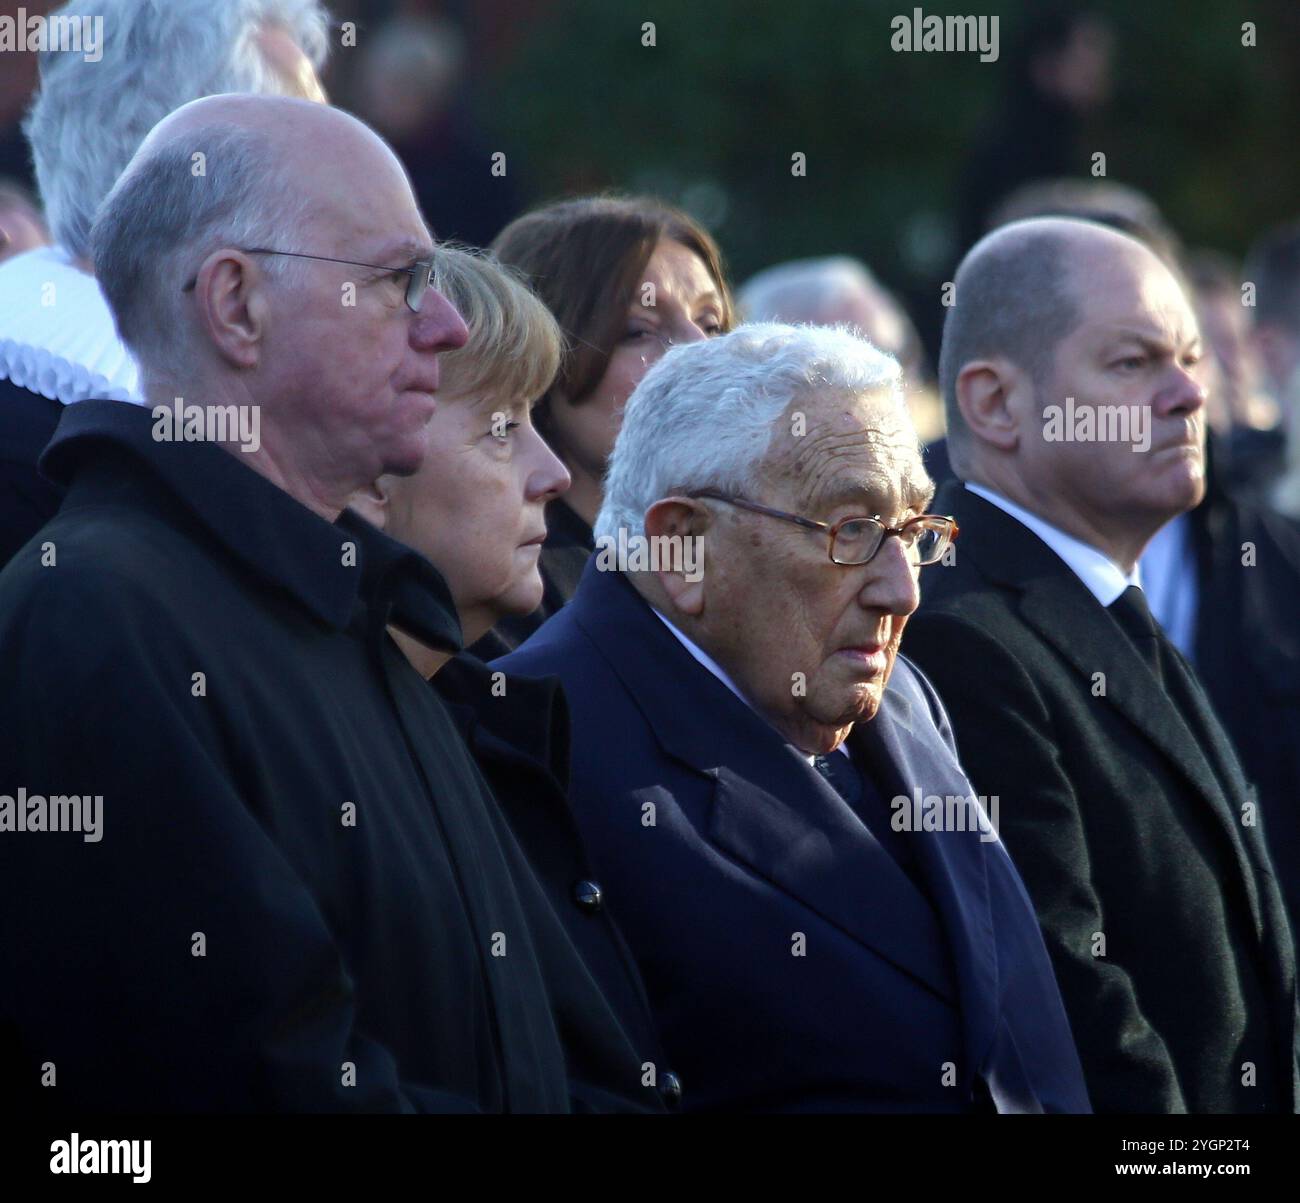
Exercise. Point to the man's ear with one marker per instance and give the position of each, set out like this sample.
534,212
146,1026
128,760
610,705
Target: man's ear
233,308
681,577
984,389
373,502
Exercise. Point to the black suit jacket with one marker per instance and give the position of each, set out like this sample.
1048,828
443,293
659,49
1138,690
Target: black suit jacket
1246,558
1126,827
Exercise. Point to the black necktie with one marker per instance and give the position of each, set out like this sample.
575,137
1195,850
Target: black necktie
839,770
1134,616
1166,661
865,802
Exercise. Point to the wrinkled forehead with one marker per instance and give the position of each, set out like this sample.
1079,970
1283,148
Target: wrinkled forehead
844,449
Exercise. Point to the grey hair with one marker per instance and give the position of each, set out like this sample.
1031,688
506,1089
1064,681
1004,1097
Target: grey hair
705,415
803,288
161,221
88,119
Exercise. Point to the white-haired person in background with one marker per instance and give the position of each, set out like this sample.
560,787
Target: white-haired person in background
741,720
839,290
58,344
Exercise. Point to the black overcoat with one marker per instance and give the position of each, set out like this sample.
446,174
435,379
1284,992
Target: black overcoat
1125,815
302,895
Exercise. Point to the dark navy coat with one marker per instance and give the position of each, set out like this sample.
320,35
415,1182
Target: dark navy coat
791,963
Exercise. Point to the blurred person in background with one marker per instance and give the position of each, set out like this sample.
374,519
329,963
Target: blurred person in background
839,289
1249,442
1222,579
475,509
626,278
58,344
1273,266
1118,205
1058,74
410,84
22,228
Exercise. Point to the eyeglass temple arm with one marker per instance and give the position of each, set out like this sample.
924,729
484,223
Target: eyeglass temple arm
714,495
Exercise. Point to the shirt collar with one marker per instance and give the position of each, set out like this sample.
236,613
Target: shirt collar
69,351
702,657
1102,577
326,567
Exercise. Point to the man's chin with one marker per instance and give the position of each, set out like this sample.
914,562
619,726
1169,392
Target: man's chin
407,459
860,707
1185,491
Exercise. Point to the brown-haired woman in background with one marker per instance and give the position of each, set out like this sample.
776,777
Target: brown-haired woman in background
625,277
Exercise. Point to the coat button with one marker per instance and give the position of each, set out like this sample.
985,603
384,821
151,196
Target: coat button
670,1088
588,896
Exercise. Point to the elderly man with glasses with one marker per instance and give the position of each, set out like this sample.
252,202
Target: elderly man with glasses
821,908
247,862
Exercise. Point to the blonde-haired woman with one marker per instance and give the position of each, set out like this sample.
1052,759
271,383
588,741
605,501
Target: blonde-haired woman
475,510
476,507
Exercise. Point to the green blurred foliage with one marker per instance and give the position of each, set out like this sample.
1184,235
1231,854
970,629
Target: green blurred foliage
711,115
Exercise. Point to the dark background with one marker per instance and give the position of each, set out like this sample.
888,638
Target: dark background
710,116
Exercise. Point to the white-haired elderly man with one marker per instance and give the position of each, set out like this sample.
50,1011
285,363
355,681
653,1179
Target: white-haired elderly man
246,860
828,292
822,910
58,344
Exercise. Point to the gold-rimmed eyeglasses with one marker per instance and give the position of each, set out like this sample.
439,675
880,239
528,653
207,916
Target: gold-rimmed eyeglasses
856,540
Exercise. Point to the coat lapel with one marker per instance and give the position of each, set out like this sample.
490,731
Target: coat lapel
771,810
794,831
902,748
1059,607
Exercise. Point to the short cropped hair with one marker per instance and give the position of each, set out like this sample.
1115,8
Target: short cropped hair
1015,300
88,119
705,414
161,221
514,343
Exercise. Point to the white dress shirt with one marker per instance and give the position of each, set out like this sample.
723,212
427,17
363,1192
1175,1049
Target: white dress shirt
1102,577
703,657
1169,570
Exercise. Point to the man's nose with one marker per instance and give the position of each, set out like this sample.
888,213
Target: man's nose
1182,396
437,327
891,583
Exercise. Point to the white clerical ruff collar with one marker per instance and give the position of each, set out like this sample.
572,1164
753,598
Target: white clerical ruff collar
57,336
